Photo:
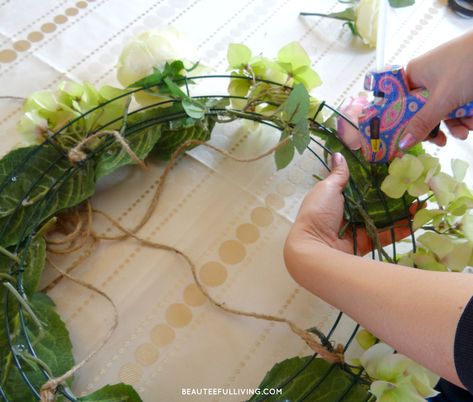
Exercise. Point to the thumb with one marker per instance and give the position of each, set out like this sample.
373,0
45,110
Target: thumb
423,122
339,175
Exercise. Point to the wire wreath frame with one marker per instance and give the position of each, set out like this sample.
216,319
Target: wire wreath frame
35,220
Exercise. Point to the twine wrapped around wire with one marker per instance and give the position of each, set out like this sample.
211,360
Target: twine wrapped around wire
88,240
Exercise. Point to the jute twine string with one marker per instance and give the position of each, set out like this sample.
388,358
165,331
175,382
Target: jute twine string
48,390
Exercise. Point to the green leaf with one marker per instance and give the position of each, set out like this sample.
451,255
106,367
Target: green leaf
348,14
284,154
437,243
151,80
27,199
174,89
193,108
301,136
141,143
401,3
54,348
238,55
113,393
175,133
315,377
296,106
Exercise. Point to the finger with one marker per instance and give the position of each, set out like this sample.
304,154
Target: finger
440,139
468,122
457,129
339,175
423,122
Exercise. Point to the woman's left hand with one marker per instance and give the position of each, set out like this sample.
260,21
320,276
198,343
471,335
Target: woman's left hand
320,216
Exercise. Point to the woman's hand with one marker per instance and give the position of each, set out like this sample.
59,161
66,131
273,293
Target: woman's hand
320,217
446,73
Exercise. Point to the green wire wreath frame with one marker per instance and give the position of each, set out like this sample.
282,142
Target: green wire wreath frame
34,221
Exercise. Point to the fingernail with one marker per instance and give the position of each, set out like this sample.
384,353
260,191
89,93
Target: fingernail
337,159
407,141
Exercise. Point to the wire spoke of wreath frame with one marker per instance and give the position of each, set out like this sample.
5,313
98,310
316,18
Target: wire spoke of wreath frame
36,213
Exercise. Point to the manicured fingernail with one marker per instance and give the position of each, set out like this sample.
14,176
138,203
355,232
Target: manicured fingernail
407,141
337,159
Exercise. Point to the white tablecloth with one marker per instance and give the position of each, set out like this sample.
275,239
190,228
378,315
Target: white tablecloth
231,218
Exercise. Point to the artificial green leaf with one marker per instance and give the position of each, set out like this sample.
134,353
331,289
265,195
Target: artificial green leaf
285,153
401,3
238,55
37,182
349,14
151,80
175,133
312,378
34,265
113,393
296,106
301,136
174,89
193,108
54,349
141,143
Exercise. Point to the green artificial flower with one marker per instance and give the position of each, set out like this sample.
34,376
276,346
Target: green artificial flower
450,252
291,67
405,174
396,377
45,112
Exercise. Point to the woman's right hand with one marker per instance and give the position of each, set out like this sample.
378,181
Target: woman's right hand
446,72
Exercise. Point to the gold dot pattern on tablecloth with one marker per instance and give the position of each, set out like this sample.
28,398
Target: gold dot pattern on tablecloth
48,27
213,274
285,188
162,335
231,252
35,36
130,373
146,354
247,233
262,216
274,200
7,56
178,315
21,45
193,296
71,12
60,19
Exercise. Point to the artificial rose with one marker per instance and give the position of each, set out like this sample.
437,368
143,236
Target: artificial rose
366,21
349,134
152,49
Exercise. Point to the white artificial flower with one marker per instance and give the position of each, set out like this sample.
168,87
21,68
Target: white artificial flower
153,49
366,21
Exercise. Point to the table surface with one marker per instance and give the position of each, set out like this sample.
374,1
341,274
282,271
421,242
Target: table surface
231,218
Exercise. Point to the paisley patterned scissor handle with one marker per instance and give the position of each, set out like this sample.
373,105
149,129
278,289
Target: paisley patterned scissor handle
382,122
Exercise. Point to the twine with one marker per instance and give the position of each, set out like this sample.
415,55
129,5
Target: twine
77,155
48,390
